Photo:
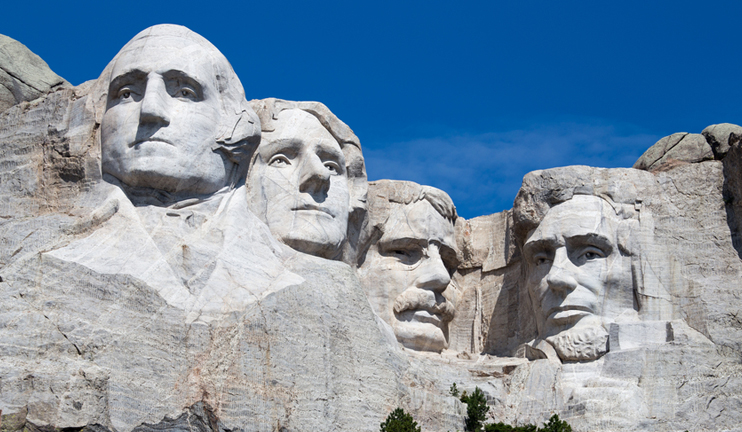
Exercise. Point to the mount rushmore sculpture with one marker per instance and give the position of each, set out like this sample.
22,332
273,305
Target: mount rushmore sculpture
175,256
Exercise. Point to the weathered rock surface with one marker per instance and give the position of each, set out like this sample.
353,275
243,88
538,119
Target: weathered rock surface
674,149
24,76
721,137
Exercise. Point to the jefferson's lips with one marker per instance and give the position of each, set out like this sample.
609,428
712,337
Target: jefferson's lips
312,207
150,139
569,308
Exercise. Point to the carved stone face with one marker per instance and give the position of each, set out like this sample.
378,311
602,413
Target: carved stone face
577,277
160,123
298,185
406,273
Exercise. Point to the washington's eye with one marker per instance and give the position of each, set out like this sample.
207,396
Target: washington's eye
187,93
401,253
124,93
279,160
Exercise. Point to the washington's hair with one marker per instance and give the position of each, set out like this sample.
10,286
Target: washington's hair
238,132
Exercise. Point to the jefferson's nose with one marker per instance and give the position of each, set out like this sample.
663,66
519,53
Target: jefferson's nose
314,176
432,273
154,108
560,276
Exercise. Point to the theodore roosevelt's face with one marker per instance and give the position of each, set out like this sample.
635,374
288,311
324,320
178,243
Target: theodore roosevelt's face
576,273
298,185
406,274
159,128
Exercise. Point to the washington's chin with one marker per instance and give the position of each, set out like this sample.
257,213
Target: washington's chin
314,243
156,177
420,336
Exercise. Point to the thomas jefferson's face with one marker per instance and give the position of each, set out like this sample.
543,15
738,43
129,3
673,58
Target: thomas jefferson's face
160,123
576,274
406,273
298,185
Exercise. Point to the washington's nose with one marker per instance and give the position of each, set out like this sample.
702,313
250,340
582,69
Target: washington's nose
154,108
433,274
315,177
560,276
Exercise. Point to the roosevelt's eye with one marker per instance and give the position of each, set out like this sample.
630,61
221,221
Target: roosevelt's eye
405,255
541,258
279,161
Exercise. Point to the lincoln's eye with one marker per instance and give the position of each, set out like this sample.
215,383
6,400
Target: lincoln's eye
126,95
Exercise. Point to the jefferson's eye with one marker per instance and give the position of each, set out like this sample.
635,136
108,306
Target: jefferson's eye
332,167
279,160
401,253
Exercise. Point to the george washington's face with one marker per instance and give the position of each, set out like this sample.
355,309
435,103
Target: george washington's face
577,276
163,109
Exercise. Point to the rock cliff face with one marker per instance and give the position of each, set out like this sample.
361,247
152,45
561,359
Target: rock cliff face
608,296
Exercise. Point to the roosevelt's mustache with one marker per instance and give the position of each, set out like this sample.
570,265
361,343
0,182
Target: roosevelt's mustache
417,299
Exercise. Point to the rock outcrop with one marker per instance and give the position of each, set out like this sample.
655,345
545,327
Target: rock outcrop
24,76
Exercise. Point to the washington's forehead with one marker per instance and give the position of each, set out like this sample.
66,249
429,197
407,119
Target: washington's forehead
165,54
418,220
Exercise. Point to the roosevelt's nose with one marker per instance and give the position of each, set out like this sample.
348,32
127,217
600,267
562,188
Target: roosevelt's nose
432,273
561,276
155,101
314,177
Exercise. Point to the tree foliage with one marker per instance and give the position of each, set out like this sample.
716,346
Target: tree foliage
399,421
556,425
476,410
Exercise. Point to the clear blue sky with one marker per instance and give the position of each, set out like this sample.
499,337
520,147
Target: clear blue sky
465,96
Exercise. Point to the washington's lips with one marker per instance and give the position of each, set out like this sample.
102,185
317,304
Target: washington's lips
150,139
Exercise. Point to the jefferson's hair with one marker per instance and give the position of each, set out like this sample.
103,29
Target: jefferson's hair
268,110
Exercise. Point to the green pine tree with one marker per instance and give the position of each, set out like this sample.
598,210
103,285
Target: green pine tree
556,425
399,421
476,410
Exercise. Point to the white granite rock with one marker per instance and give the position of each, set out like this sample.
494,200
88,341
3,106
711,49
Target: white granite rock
721,137
675,149
24,76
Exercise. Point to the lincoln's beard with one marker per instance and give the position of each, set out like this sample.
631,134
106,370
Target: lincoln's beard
580,343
